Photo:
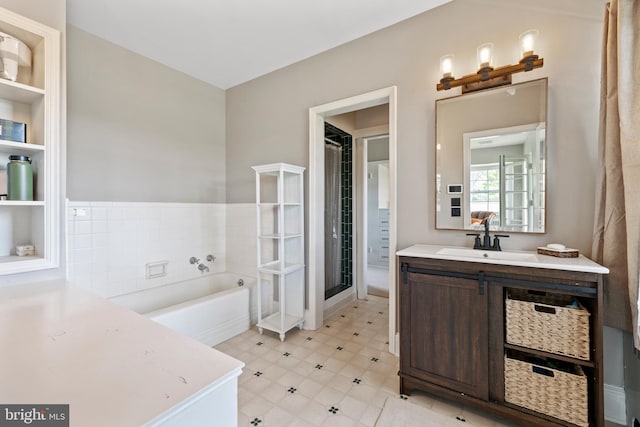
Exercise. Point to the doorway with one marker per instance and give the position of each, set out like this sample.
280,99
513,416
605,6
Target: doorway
314,315
376,210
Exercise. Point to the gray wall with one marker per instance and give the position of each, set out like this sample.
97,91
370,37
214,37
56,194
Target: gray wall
267,118
138,130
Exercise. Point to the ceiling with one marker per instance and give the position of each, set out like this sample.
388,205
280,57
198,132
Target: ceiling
228,42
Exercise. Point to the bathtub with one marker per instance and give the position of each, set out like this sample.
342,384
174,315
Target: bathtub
210,309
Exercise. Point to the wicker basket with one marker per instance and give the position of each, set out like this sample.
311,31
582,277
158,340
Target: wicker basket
549,391
544,322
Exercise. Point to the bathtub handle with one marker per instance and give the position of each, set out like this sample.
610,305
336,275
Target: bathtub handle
211,258
193,260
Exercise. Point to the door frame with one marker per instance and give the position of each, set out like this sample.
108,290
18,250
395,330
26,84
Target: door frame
315,260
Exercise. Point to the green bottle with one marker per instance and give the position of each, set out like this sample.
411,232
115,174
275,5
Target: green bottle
19,178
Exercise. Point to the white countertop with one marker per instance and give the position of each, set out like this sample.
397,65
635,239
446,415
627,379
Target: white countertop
60,344
527,258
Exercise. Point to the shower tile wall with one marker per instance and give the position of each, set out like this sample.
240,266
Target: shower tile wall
347,211
109,243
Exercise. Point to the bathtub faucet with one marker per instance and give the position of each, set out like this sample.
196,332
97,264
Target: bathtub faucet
203,268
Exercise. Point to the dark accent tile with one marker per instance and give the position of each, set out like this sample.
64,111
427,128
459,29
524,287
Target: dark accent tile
339,348
287,354
369,322
257,374
404,397
374,359
333,410
255,421
319,366
356,334
259,343
357,380
292,390
459,418
309,338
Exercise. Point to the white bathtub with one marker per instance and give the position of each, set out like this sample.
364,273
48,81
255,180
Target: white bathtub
210,309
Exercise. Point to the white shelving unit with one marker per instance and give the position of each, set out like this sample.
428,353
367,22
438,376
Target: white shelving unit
280,225
33,99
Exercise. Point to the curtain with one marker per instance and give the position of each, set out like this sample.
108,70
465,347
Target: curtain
332,216
617,223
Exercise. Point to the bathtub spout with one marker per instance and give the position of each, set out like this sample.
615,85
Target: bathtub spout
203,268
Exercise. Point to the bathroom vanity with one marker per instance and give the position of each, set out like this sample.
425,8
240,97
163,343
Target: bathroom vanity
113,367
460,339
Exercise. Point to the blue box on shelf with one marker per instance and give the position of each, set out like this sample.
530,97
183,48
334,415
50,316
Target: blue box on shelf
13,131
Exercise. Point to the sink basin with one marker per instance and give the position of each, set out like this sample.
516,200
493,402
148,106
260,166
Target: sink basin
480,254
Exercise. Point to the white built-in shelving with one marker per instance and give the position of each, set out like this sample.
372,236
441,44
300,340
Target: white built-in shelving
280,225
34,99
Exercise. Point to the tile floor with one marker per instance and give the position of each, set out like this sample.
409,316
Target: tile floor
339,375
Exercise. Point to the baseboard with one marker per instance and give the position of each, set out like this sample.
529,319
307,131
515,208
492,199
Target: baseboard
614,404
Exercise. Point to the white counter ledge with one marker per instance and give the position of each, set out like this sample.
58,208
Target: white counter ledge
62,345
515,258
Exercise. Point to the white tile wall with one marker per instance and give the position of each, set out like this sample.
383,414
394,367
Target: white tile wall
109,246
241,238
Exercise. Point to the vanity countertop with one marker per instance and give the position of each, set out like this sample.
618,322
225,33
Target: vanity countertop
515,258
63,345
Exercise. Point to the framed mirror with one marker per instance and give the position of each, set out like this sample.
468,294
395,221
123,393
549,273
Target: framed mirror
491,159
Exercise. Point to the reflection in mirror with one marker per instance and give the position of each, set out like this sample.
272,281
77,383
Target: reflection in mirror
490,159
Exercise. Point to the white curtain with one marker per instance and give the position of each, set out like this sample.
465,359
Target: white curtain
616,241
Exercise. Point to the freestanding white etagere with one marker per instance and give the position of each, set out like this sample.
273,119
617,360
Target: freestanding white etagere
280,226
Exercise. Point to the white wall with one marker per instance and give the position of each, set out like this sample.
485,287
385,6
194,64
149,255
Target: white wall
140,131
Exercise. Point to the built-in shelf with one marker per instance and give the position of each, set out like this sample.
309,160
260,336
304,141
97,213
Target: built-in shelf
35,100
277,267
18,92
21,148
21,203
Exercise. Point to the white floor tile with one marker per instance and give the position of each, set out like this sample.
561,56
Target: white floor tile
336,376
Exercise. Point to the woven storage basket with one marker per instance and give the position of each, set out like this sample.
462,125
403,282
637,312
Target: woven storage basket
549,391
543,322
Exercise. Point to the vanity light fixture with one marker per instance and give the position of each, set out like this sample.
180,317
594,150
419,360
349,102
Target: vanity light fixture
487,76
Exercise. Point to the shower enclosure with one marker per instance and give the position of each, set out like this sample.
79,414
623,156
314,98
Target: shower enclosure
338,211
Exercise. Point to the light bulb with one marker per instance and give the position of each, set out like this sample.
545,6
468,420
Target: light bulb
485,54
528,42
446,66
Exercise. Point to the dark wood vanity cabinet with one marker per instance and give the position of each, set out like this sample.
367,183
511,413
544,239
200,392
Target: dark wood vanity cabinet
446,342
452,332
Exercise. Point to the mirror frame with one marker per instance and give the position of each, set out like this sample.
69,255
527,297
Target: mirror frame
440,193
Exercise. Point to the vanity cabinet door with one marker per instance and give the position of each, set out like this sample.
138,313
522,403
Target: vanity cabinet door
443,332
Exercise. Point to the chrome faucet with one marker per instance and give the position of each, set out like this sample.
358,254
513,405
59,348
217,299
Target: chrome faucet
203,268
485,243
